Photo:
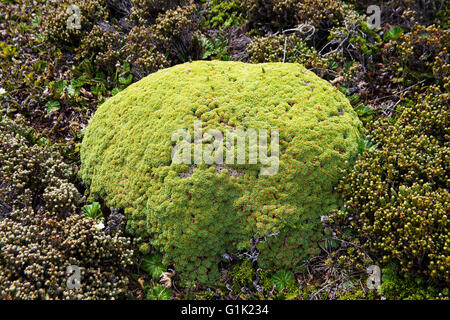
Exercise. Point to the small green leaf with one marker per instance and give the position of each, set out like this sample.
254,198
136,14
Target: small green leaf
333,64
363,110
159,293
126,66
58,86
52,106
78,83
127,80
393,34
93,211
283,279
153,266
115,91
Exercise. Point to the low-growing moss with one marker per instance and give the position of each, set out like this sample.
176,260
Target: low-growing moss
193,214
243,275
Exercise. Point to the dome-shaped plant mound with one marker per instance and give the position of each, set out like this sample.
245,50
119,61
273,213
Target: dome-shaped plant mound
198,210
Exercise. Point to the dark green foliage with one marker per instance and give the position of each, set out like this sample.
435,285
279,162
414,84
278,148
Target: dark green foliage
153,266
141,52
405,287
242,276
215,48
420,55
159,293
33,177
393,34
144,12
283,279
405,13
282,14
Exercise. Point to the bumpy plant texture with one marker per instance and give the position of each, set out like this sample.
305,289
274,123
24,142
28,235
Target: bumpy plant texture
174,32
398,196
40,232
421,54
140,50
226,13
38,247
193,214
55,28
144,12
32,177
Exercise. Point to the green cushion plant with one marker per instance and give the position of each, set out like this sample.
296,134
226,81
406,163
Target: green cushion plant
195,213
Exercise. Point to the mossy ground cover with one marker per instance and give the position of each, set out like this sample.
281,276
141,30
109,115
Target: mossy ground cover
126,158
392,204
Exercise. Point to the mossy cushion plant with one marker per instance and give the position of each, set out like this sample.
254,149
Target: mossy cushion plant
195,213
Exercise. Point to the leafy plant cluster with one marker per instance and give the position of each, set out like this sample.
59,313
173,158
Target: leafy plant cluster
225,14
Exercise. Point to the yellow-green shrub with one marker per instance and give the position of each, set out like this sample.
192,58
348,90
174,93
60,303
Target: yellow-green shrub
193,214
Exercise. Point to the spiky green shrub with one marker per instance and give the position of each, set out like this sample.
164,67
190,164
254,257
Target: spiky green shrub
195,213
159,293
101,46
397,197
153,266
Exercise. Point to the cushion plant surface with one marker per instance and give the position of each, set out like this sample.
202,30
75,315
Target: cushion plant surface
193,212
